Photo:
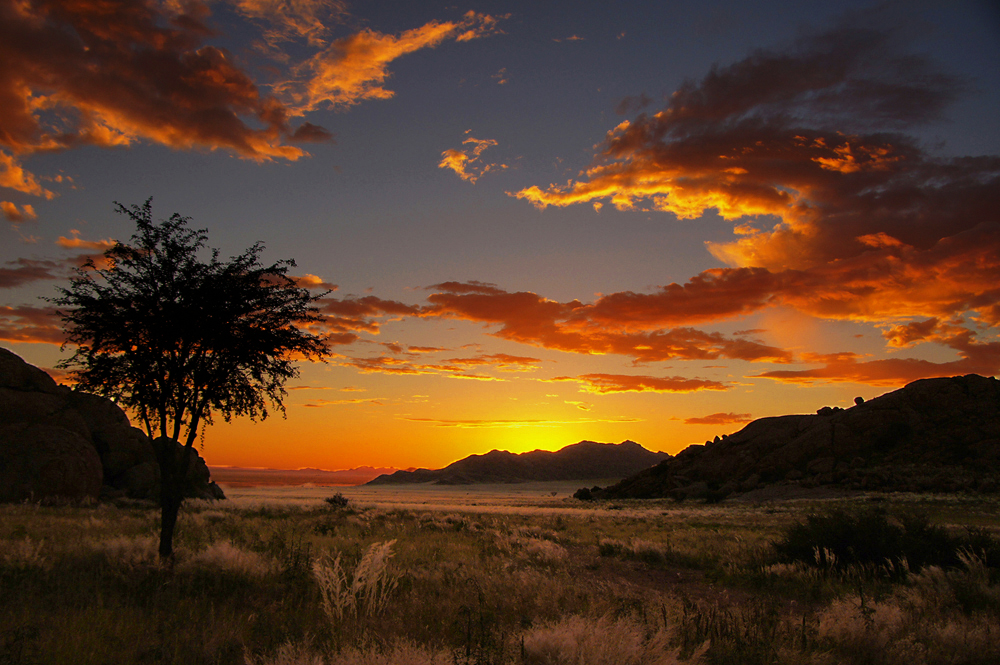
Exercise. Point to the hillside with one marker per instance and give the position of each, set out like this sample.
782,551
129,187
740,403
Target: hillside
937,435
579,461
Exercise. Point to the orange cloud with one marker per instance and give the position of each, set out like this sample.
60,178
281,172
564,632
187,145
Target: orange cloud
862,224
720,419
309,281
602,384
12,174
11,212
502,361
76,242
30,324
296,20
353,69
335,402
465,163
974,358
635,331
403,366
76,72
343,318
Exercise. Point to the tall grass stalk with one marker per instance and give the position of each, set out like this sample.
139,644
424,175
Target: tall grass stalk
368,590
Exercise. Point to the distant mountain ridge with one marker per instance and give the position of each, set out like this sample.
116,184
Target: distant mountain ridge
579,461
233,476
933,435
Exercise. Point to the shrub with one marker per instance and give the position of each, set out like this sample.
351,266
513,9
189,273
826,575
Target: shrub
338,500
868,538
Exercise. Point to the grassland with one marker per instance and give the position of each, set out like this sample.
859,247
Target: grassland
482,576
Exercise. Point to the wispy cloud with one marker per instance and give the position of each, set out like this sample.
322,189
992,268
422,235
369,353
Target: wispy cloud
293,20
338,402
355,68
720,419
513,423
466,163
974,358
76,242
602,384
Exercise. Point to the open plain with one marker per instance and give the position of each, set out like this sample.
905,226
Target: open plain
497,574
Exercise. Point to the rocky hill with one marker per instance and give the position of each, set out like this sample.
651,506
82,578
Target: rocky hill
579,461
938,435
60,443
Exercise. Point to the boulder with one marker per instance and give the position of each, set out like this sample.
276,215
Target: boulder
51,436
39,462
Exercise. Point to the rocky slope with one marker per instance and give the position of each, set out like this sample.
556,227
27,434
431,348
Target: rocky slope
57,442
579,461
939,435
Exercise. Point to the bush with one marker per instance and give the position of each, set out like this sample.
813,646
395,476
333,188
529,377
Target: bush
839,539
338,500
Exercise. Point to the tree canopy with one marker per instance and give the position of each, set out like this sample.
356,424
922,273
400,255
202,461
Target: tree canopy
175,334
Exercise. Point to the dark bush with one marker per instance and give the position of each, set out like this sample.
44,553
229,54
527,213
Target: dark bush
869,537
338,500
583,494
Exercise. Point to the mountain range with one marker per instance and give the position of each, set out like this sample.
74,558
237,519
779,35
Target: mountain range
580,461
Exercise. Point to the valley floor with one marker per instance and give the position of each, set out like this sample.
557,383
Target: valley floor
485,575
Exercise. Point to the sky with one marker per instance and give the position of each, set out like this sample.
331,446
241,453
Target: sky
538,222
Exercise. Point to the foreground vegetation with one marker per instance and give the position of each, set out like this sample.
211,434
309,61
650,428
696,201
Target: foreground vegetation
329,583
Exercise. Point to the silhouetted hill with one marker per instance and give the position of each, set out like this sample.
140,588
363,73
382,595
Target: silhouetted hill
579,461
939,435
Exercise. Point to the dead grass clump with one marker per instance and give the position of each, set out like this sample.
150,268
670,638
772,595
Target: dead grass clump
577,640
402,653
224,556
128,552
24,554
942,617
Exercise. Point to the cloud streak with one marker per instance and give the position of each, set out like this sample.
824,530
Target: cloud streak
30,324
355,68
577,327
24,271
603,384
513,423
720,419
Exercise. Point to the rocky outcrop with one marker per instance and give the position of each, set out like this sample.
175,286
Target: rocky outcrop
938,435
60,443
580,461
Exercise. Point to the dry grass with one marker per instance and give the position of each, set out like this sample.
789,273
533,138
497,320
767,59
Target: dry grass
553,583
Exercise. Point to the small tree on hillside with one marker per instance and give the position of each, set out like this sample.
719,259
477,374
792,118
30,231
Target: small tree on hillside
175,335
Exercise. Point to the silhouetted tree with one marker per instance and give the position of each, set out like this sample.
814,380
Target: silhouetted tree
175,335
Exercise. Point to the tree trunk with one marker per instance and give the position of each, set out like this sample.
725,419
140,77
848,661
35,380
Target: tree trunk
171,491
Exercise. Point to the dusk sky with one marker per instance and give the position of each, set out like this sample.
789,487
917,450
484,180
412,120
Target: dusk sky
541,221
